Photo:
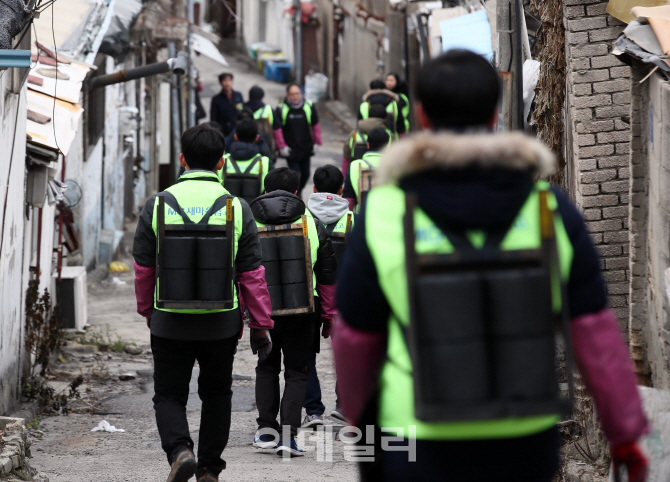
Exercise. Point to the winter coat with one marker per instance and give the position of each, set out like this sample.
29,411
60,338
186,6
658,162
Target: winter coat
224,110
385,97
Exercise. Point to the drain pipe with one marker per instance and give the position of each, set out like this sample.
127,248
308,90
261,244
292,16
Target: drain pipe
298,41
177,65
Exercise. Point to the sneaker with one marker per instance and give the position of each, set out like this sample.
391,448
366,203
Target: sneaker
312,420
183,466
264,441
289,449
337,414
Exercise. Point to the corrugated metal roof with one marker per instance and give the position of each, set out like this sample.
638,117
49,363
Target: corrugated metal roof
69,18
66,87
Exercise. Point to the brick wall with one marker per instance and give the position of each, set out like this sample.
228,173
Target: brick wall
598,117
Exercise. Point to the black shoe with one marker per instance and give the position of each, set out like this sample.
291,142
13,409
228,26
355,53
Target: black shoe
204,475
183,466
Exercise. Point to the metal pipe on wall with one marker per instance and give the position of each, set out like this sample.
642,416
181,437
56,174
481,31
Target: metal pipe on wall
190,104
175,120
298,41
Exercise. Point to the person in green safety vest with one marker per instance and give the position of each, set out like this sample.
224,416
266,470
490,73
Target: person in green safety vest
357,145
379,94
399,87
472,193
245,169
180,337
269,125
378,139
293,336
328,207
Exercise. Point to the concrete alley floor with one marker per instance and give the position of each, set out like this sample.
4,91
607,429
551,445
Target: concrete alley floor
70,452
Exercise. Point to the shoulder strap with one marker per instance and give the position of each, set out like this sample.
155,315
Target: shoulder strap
307,107
253,162
171,201
330,228
218,204
284,113
233,163
349,219
370,166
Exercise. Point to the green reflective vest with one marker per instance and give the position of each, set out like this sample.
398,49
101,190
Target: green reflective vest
265,113
307,107
405,111
360,138
229,168
391,108
384,236
196,196
341,224
313,240
373,159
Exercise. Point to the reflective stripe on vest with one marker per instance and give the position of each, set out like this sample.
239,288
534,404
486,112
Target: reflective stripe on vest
313,236
307,107
195,197
385,240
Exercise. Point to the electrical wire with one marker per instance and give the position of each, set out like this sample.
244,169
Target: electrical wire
53,112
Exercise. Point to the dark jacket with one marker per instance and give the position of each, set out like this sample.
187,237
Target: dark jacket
233,146
281,207
458,192
224,110
183,326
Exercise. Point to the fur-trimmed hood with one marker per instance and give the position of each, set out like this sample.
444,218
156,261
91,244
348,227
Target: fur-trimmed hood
426,151
392,95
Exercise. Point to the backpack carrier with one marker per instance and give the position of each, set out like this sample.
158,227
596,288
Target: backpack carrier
244,184
366,181
338,240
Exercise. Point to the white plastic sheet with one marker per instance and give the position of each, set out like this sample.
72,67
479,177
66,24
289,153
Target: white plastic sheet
104,426
316,86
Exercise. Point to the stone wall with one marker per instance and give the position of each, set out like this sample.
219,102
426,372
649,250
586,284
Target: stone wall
598,121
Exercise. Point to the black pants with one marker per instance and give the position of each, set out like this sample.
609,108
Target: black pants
301,165
173,364
294,338
524,459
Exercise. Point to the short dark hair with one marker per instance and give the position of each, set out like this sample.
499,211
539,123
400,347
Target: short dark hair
246,130
256,93
282,179
224,76
378,139
458,89
328,178
292,84
377,111
244,114
377,84
202,147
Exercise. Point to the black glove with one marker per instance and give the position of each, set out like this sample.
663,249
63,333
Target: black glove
260,343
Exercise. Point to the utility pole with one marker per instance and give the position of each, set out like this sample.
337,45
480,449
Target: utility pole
298,42
190,104
510,61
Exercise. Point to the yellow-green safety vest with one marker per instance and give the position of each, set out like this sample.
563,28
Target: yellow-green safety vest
243,165
358,166
196,197
307,107
385,240
266,113
391,108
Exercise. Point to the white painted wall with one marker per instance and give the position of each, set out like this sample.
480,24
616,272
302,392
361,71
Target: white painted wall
12,228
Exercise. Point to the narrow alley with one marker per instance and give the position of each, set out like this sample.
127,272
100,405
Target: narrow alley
70,452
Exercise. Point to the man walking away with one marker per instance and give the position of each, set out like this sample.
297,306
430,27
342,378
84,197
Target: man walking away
246,167
378,139
261,142
269,125
379,94
226,104
466,372
301,130
328,207
292,335
358,140
180,337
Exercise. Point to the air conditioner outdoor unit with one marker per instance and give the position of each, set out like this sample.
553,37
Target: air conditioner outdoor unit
72,297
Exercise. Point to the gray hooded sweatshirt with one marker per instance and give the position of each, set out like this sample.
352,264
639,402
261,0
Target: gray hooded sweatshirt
327,207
